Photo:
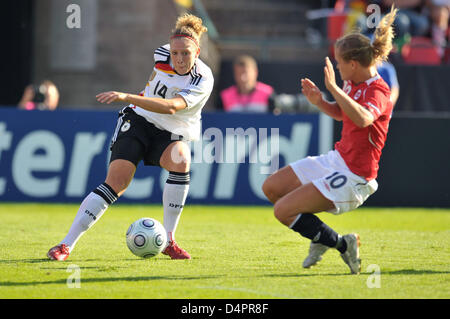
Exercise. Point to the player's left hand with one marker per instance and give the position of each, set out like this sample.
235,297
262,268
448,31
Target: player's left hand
111,96
330,77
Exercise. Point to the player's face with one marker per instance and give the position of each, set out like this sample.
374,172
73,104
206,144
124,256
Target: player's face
183,53
346,68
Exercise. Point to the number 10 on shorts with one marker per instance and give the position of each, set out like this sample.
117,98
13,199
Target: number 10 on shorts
337,180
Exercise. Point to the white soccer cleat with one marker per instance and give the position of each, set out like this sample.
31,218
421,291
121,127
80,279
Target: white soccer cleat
351,255
316,251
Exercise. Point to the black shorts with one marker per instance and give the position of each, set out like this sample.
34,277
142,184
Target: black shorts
136,139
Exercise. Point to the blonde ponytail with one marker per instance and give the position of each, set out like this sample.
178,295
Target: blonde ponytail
384,34
357,47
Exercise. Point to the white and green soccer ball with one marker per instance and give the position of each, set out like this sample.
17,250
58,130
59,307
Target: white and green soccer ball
146,237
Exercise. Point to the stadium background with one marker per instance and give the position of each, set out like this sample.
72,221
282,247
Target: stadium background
112,50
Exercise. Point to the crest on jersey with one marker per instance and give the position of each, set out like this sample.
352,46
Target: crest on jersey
347,88
357,95
125,127
175,91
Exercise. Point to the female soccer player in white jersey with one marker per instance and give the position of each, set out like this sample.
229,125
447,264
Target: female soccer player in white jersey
154,127
344,178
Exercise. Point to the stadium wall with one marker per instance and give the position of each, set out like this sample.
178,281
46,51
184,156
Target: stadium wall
62,155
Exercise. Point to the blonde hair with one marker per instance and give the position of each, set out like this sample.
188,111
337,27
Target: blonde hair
189,25
355,46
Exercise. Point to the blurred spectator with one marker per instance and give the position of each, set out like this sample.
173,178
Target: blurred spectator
420,18
411,19
248,94
389,75
44,96
356,14
439,14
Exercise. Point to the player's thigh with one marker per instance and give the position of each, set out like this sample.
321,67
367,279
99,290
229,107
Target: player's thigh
120,174
280,183
304,199
176,157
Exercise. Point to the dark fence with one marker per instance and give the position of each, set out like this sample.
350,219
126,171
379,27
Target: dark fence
415,164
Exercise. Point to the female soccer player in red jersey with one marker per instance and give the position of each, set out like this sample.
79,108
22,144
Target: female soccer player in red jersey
344,178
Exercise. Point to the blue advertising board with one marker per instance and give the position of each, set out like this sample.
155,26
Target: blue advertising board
61,156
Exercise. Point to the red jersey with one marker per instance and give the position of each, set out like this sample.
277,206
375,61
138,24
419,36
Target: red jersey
361,147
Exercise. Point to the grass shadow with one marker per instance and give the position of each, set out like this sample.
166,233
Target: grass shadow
386,272
413,272
101,268
71,261
26,261
296,275
106,279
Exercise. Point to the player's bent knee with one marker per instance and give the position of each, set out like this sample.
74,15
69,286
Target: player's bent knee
181,167
270,191
184,165
176,157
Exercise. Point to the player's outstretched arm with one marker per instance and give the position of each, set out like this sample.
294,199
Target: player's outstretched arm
153,104
314,96
355,111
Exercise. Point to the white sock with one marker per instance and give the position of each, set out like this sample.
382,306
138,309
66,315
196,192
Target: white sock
174,197
90,211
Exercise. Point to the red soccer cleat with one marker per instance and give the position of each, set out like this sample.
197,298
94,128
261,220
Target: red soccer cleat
175,252
60,252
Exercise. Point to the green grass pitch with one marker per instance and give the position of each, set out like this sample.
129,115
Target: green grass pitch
238,252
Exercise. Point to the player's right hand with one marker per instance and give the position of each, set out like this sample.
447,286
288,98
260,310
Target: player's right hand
111,96
311,91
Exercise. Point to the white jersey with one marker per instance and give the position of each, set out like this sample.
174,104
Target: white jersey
195,87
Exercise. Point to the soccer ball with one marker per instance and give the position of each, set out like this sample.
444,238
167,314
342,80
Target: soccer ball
146,237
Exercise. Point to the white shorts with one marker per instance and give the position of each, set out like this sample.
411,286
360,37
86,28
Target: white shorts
334,180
